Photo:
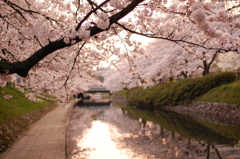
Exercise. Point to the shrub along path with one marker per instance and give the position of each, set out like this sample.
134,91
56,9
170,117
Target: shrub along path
45,139
178,93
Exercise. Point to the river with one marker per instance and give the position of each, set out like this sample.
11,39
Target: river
124,132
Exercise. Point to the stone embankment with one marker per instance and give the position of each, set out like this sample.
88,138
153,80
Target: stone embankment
220,113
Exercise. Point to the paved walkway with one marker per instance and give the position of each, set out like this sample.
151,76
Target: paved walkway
45,138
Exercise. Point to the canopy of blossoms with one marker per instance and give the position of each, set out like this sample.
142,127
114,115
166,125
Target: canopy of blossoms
53,45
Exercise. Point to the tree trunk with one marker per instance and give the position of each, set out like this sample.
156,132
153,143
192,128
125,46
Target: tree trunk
206,68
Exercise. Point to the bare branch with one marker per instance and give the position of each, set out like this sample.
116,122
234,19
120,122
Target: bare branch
74,62
18,8
5,51
38,40
169,39
234,7
121,39
78,7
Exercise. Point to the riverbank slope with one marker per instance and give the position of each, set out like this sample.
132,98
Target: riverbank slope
18,113
220,104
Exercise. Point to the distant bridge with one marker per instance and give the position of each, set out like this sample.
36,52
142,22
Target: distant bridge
98,89
95,96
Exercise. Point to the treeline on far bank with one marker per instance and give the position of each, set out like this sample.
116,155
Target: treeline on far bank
175,93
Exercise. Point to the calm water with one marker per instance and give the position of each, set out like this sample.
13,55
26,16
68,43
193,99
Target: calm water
114,132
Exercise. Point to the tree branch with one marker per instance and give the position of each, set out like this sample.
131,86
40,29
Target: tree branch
15,6
74,62
22,67
173,40
121,39
89,14
213,58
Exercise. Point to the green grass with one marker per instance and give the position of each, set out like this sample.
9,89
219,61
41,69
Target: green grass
122,93
178,93
17,105
227,93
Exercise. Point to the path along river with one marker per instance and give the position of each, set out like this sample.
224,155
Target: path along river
124,132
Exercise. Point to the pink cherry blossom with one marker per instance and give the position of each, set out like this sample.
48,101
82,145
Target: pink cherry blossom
58,46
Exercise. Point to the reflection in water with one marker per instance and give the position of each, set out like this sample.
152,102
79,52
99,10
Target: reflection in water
98,143
114,133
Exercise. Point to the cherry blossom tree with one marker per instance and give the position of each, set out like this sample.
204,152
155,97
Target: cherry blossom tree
161,62
217,32
229,62
56,43
50,40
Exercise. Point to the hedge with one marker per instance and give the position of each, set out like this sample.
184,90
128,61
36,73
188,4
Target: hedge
176,93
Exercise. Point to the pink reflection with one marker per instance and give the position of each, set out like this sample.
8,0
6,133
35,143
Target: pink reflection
99,144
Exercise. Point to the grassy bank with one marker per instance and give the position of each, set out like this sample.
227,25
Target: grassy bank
18,113
227,93
183,91
17,105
